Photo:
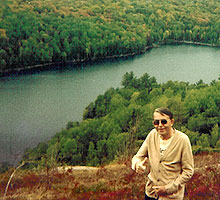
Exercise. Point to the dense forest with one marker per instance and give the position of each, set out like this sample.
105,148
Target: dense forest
39,32
118,121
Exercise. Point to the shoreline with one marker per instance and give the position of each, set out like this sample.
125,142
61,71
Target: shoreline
69,69
51,65
46,66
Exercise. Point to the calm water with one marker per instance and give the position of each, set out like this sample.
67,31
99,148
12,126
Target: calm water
34,107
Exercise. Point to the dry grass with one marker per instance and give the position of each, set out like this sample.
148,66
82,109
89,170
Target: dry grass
112,182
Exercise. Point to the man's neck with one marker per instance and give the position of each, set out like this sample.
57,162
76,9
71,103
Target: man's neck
168,135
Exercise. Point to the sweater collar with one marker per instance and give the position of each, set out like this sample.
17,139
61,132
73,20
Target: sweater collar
172,143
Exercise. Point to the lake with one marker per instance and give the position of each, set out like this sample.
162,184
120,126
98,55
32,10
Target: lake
33,107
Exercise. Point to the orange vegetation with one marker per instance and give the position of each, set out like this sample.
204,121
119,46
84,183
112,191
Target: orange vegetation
113,182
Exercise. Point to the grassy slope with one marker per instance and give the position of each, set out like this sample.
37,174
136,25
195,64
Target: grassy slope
112,182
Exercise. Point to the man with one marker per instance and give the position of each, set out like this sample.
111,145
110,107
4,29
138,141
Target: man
170,159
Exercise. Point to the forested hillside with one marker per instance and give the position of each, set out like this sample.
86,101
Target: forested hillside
118,121
37,32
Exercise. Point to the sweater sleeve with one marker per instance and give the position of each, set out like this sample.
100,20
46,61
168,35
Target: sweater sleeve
187,168
141,154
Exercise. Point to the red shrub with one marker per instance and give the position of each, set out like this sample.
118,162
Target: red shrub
30,180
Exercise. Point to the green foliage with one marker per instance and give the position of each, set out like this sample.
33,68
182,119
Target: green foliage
72,125
40,32
193,136
92,156
68,148
204,140
116,123
215,135
203,107
101,105
218,144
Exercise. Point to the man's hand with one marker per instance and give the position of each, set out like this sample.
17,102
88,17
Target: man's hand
160,190
140,167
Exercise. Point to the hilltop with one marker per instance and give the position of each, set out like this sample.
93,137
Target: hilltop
111,182
118,121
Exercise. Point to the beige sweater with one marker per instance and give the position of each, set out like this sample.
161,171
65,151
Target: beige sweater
172,170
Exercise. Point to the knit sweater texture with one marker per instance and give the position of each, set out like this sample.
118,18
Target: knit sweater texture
172,170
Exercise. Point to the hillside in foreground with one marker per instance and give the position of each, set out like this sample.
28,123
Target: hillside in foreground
113,182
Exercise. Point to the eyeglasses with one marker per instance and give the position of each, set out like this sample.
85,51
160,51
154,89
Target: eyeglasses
157,122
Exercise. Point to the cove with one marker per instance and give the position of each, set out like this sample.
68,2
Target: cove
33,107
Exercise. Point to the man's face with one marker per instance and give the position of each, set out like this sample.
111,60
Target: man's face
163,124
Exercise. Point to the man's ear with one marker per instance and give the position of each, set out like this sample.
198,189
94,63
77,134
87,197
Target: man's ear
172,122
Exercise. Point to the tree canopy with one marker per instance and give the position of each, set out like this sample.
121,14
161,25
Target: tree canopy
118,121
38,32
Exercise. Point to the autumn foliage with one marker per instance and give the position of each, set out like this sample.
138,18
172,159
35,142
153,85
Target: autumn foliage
38,32
112,182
